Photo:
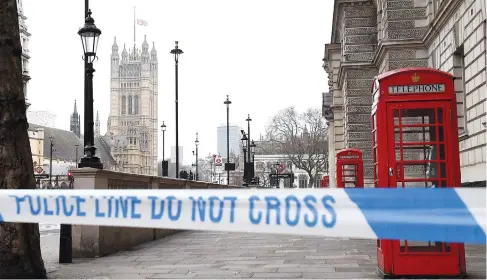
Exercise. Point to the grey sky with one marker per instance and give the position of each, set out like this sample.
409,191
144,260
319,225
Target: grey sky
265,54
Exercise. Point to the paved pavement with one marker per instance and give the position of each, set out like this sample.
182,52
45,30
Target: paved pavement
213,255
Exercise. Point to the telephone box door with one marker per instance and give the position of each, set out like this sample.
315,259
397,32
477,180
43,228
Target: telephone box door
418,155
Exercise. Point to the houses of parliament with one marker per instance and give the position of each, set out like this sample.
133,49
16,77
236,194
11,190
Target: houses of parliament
130,144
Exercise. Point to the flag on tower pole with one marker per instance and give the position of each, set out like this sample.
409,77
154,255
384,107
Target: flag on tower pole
138,22
142,22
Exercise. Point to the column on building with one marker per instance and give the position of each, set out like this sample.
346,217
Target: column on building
333,107
355,31
154,81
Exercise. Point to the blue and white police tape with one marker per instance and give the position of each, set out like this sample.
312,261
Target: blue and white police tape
450,215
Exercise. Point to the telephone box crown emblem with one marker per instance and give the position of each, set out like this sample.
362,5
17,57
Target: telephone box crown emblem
415,78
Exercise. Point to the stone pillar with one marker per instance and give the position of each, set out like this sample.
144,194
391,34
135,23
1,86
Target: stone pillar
359,49
331,155
358,106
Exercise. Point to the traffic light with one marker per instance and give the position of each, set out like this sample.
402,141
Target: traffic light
191,177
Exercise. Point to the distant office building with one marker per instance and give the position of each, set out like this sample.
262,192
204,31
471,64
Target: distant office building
42,118
235,136
173,154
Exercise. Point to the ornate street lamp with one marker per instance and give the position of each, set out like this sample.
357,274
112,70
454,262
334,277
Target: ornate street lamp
163,129
90,35
252,150
164,164
245,148
227,103
196,143
176,52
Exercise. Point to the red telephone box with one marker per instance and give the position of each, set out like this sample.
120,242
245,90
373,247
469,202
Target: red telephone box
325,182
415,145
350,169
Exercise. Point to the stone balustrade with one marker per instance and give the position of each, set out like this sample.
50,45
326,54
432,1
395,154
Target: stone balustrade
98,241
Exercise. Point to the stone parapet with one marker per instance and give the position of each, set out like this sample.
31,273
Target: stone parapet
98,241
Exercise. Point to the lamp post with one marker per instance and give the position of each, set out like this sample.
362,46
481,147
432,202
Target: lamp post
51,138
248,136
163,129
252,146
196,143
76,145
227,103
176,52
244,147
89,34
250,174
277,164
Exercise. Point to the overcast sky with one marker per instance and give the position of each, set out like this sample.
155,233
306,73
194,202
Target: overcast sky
266,54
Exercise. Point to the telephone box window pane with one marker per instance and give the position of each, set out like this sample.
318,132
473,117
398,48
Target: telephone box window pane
349,175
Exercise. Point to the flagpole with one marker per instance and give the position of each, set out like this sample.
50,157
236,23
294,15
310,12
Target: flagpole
134,26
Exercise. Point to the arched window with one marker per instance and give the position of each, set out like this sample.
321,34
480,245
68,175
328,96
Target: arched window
303,181
124,105
136,105
130,105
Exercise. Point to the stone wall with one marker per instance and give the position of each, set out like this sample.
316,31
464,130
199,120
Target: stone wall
459,48
98,241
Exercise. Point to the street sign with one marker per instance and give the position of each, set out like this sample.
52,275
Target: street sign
41,176
218,169
39,170
218,161
283,175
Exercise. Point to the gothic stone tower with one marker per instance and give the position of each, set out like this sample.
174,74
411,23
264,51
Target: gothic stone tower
132,124
97,125
75,122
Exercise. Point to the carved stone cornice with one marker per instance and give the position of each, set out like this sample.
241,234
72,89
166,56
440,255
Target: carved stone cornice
445,13
384,46
329,48
352,65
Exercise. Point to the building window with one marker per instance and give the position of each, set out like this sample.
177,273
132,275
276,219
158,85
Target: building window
130,105
136,105
459,73
124,105
318,181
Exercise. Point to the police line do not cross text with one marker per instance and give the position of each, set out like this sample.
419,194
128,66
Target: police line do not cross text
301,210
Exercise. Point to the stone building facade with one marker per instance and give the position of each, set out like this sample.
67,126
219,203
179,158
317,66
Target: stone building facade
132,123
372,37
24,41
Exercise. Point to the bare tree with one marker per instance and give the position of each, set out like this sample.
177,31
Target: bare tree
302,138
20,250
